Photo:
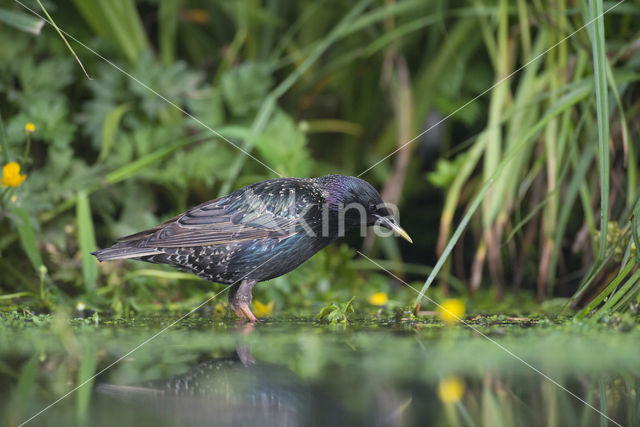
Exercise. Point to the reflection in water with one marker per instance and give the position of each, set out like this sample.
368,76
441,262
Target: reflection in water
320,376
224,391
238,390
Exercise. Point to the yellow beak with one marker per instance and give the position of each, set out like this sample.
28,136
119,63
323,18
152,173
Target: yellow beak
390,223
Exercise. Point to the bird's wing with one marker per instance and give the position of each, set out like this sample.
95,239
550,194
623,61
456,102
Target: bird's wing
240,216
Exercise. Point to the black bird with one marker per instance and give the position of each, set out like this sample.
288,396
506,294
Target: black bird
258,232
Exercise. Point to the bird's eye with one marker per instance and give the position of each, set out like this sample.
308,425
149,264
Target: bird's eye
372,207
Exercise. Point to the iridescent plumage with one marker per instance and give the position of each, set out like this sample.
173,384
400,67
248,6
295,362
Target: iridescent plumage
256,233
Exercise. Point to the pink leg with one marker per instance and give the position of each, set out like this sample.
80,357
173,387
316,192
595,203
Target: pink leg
239,299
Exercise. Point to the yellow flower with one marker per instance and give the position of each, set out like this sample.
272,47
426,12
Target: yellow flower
11,175
450,390
451,311
263,309
29,128
379,298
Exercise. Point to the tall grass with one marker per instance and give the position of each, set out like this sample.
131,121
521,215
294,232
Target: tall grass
553,149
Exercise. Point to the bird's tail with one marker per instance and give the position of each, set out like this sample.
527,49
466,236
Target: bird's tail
124,250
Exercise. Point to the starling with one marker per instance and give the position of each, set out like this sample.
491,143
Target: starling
258,232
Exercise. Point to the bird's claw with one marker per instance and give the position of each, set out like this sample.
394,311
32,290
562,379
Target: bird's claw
243,311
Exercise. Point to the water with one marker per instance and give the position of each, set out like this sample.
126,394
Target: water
292,371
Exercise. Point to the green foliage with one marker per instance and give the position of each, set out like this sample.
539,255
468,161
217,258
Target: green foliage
446,171
27,235
336,312
283,146
326,88
245,86
118,22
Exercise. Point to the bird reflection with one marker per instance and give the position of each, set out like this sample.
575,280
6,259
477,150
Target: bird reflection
240,390
234,390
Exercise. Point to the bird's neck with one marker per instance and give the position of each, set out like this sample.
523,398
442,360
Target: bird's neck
334,224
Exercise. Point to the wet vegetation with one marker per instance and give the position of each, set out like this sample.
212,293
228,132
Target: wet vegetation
513,129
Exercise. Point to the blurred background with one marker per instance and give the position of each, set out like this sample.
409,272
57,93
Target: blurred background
516,94
514,132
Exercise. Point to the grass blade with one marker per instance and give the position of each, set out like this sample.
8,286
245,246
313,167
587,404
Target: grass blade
110,129
634,229
4,147
120,21
86,371
64,39
26,383
168,11
596,29
86,241
608,290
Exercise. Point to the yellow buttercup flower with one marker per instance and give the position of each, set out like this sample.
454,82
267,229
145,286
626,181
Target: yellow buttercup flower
451,311
11,175
450,390
379,298
29,128
261,309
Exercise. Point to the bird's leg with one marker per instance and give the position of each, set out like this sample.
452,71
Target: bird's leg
232,300
240,297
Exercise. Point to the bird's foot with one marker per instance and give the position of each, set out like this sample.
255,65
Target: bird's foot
240,298
243,311
247,312
237,311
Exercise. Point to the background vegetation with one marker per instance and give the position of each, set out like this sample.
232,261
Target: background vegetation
521,183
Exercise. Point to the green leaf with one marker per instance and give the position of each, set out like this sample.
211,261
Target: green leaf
21,21
446,171
28,236
86,241
245,86
336,312
284,147
110,129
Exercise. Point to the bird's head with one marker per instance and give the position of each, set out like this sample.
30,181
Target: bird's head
357,203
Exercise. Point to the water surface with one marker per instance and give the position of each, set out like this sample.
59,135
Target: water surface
295,371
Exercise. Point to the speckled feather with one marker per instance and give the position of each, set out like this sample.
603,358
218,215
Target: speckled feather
255,233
